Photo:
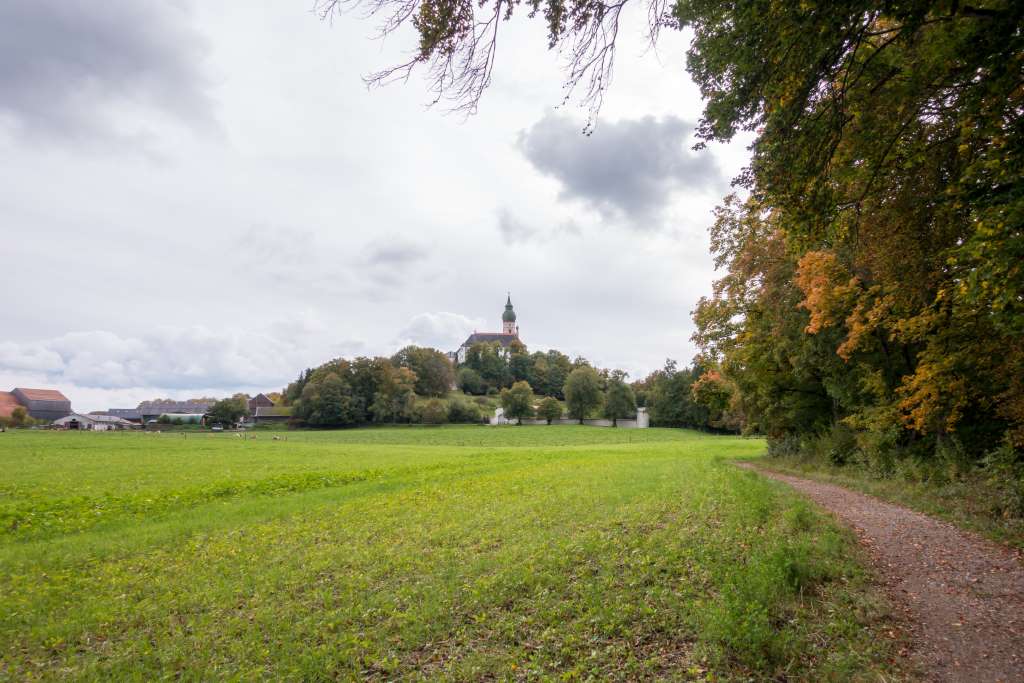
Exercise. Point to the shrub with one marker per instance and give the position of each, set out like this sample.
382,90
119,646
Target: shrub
463,411
1005,471
434,412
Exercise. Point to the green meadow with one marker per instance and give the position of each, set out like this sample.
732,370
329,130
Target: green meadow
452,553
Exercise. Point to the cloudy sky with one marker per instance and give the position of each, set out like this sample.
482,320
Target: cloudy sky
201,198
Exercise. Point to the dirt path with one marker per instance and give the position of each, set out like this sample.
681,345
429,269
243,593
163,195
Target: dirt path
964,596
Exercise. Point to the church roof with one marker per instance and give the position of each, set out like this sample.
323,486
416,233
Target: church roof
509,316
489,337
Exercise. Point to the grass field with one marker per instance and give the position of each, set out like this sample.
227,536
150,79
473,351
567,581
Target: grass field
465,553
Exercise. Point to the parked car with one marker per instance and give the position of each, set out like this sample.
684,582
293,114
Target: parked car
216,428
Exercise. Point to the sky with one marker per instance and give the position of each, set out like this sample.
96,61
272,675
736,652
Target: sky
203,198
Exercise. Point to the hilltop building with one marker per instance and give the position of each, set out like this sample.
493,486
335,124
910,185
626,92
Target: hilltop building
509,333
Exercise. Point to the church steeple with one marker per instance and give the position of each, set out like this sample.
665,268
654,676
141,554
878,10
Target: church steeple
508,318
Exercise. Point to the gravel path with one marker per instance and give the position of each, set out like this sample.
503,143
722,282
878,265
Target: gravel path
964,596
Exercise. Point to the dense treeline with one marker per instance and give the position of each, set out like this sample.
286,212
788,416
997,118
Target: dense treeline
345,392
414,386
488,368
872,300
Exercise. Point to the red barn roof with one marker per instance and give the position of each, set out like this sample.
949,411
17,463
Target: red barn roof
42,394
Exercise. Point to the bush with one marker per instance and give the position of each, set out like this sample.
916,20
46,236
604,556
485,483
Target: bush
434,412
463,411
1005,469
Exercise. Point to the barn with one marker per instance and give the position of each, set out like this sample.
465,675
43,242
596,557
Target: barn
43,404
7,403
92,422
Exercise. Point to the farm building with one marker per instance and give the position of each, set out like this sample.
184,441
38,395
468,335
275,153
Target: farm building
91,422
130,414
152,410
271,415
259,401
43,404
7,403
182,418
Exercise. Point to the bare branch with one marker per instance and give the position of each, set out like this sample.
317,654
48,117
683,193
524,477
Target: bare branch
458,43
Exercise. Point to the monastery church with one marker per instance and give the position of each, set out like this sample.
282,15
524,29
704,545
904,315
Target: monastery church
509,333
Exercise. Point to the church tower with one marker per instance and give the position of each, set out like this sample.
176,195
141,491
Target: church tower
508,319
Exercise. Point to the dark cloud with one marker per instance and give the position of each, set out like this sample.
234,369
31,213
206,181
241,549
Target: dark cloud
68,68
625,170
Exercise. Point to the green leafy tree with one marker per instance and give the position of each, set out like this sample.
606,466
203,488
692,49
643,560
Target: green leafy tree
435,375
550,409
19,417
619,403
517,401
395,396
327,401
470,382
226,412
582,392
489,360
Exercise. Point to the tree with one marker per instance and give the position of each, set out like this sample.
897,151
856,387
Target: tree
327,401
517,401
434,373
395,398
488,359
458,42
227,411
582,392
19,417
550,409
620,403
868,281
470,382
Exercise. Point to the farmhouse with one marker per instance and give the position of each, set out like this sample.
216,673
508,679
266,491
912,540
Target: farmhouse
509,333
92,422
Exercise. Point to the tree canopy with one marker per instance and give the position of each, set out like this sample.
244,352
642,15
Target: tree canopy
582,392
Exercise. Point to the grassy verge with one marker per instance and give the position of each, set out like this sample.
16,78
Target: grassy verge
963,498
457,553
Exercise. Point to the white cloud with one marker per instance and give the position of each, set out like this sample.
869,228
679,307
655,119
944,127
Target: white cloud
442,330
